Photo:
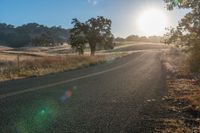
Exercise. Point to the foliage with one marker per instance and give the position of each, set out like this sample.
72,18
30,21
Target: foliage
187,33
95,31
77,37
182,4
32,34
108,42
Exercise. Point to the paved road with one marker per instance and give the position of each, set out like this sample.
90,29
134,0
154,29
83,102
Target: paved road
112,97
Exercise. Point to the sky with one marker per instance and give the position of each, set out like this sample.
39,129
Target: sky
123,13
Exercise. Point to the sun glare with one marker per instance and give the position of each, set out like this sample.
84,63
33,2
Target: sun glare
152,22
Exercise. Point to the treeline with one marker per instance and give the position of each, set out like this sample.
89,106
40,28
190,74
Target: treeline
32,34
136,38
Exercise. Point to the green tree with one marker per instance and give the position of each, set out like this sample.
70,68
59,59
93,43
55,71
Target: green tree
94,31
108,42
77,36
187,33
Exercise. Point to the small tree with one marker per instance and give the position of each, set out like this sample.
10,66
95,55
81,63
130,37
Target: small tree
109,42
94,31
77,37
78,44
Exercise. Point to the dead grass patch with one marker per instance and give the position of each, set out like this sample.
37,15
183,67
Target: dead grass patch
183,95
175,126
36,66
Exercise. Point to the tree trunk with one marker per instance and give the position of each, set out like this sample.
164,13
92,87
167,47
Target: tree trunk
92,53
80,53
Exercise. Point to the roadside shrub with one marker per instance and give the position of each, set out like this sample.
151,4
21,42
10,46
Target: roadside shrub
194,60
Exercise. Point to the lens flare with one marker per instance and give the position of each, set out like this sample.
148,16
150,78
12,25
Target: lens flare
37,117
75,88
66,96
68,93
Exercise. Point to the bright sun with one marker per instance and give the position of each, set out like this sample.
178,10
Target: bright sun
152,22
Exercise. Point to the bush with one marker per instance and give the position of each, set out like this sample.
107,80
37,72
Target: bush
194,60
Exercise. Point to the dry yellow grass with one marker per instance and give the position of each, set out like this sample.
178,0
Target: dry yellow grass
175,126
13,57
36,66
184,95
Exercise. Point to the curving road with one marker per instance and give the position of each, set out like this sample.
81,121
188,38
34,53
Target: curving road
118,96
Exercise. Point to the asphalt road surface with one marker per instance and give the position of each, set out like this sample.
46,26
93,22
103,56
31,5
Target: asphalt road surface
118,96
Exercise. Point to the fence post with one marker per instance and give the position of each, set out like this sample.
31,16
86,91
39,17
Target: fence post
18,61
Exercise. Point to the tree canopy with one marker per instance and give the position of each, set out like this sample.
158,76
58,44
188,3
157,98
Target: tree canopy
95,31
187,33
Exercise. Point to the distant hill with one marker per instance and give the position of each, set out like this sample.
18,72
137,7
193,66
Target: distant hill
32,34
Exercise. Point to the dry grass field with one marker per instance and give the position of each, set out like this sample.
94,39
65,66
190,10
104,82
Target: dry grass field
29,62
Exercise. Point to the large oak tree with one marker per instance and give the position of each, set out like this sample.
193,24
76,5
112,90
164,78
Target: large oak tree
95,31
